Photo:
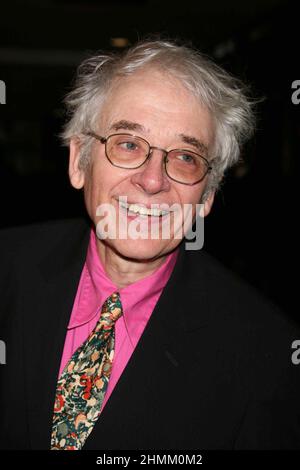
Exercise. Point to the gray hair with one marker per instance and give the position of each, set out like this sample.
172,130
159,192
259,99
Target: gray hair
224,96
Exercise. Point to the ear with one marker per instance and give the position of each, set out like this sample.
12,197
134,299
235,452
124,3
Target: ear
207,204
76,175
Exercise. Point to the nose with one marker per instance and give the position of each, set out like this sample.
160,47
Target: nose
151,177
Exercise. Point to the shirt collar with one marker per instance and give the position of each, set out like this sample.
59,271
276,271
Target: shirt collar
95,286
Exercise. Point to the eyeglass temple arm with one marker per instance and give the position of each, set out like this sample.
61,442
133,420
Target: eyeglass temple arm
98,137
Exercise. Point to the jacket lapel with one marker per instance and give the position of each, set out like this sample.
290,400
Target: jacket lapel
48,306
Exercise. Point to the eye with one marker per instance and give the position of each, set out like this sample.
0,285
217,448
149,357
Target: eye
130,146
186,158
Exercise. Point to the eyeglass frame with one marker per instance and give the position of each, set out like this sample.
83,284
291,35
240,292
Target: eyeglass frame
104,140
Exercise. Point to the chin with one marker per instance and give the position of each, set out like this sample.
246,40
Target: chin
140,250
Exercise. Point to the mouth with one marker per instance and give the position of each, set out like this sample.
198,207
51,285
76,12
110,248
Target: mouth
134,209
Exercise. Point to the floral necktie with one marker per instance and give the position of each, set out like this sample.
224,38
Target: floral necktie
82,385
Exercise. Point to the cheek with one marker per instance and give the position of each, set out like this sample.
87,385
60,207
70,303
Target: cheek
92,189
92,180
98,188
191,200
93,192
191,195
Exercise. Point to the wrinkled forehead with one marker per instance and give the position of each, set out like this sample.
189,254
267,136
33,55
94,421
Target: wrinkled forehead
158,100
150,79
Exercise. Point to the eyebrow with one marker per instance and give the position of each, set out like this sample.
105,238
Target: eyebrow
135,126
127,126
200,146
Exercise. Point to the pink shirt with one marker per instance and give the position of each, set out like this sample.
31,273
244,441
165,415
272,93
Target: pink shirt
138,301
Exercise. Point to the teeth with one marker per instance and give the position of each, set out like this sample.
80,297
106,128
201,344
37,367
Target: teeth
137,209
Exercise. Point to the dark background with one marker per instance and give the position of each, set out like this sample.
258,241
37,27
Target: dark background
252,228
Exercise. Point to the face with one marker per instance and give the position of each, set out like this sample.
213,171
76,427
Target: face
163,112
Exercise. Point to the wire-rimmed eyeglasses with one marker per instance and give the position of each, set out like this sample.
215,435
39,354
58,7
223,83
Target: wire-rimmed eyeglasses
129,151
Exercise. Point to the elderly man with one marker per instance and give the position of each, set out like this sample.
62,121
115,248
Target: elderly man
117,335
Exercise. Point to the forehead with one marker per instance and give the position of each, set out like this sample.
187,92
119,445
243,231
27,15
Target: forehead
160,103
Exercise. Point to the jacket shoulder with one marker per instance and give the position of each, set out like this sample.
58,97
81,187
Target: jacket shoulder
234,302
15,241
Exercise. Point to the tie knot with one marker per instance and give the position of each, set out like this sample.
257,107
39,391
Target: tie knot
111,309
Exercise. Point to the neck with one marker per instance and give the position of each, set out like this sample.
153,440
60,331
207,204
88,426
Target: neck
125,271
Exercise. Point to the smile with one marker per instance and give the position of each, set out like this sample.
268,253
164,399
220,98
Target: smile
135,209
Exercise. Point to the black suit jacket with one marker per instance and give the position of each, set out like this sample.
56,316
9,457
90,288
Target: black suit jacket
212,369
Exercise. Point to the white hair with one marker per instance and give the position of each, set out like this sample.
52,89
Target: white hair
223,95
